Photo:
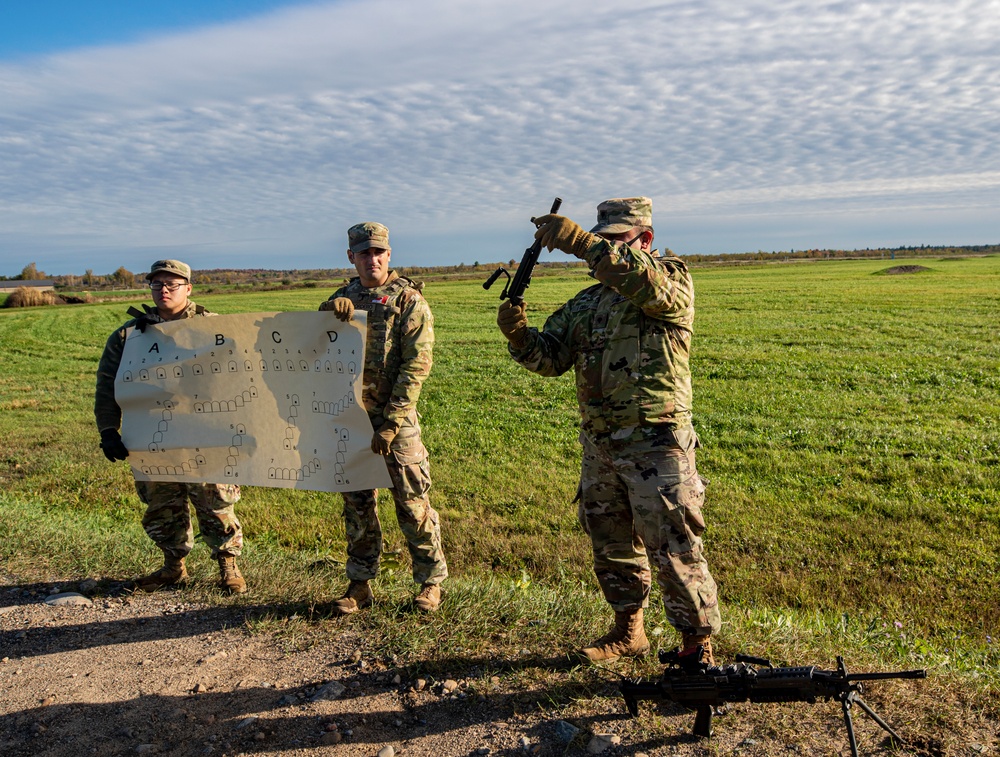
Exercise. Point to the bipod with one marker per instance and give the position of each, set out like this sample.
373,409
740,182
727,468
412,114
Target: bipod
851,698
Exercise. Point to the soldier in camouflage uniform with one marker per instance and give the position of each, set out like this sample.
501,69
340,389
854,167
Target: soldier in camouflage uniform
628,338
167,519
397,362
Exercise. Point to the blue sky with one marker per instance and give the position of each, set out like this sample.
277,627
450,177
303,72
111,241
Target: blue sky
36,28
253,134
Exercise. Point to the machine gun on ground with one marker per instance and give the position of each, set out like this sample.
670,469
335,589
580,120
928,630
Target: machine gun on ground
514,288
701,687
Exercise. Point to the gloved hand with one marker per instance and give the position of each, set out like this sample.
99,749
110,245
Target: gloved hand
383,437
112,446
142,321
342,307
513,322
560,233
142,318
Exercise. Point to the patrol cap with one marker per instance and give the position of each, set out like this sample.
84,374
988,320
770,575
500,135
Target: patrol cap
362,236
169,266
622,214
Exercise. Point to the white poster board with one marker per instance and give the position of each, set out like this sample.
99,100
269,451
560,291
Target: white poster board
256,399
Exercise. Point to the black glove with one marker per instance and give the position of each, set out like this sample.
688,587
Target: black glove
142,320
112,446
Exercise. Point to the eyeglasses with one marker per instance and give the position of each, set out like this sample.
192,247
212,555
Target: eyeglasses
159,286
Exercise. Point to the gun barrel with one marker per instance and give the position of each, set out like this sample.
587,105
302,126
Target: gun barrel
536,246
919,673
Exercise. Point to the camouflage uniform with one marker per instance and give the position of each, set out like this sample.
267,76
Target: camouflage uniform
628,339
167,519
397,362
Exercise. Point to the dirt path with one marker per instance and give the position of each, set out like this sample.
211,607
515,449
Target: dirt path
153,674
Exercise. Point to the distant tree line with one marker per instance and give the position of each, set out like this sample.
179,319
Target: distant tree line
268,278
119,279
868,252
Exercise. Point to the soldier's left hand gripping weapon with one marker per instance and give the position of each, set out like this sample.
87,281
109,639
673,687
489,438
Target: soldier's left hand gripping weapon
514,288
699,686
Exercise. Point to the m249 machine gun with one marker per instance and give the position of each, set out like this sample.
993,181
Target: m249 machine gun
514,288
701,687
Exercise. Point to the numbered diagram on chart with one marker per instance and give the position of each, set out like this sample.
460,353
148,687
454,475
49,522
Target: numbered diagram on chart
226,405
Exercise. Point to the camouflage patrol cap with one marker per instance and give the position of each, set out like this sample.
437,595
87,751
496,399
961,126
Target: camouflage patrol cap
368,234
169,266
622,214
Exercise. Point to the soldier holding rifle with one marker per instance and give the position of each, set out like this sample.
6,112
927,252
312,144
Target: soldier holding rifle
628,339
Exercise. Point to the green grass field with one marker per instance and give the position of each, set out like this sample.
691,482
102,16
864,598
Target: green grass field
850,431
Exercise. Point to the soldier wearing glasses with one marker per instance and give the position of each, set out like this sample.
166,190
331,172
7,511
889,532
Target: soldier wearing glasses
167,519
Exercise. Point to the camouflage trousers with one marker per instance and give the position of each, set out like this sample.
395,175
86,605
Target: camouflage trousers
419,522
168,519
642,503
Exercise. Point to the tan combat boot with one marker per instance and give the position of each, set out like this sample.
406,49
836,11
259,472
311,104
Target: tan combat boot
690,644
429,598
627,638
231,581
173,572
357,597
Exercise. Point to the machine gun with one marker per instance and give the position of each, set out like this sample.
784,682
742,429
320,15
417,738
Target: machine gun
514,288
701,687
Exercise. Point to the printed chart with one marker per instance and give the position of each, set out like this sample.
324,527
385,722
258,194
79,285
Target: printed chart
256,399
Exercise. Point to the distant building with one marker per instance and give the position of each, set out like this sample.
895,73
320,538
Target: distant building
41,285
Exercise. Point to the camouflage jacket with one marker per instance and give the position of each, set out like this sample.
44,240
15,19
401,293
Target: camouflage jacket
398,351
629,339
106,410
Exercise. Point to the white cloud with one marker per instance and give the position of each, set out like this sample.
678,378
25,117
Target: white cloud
269,137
